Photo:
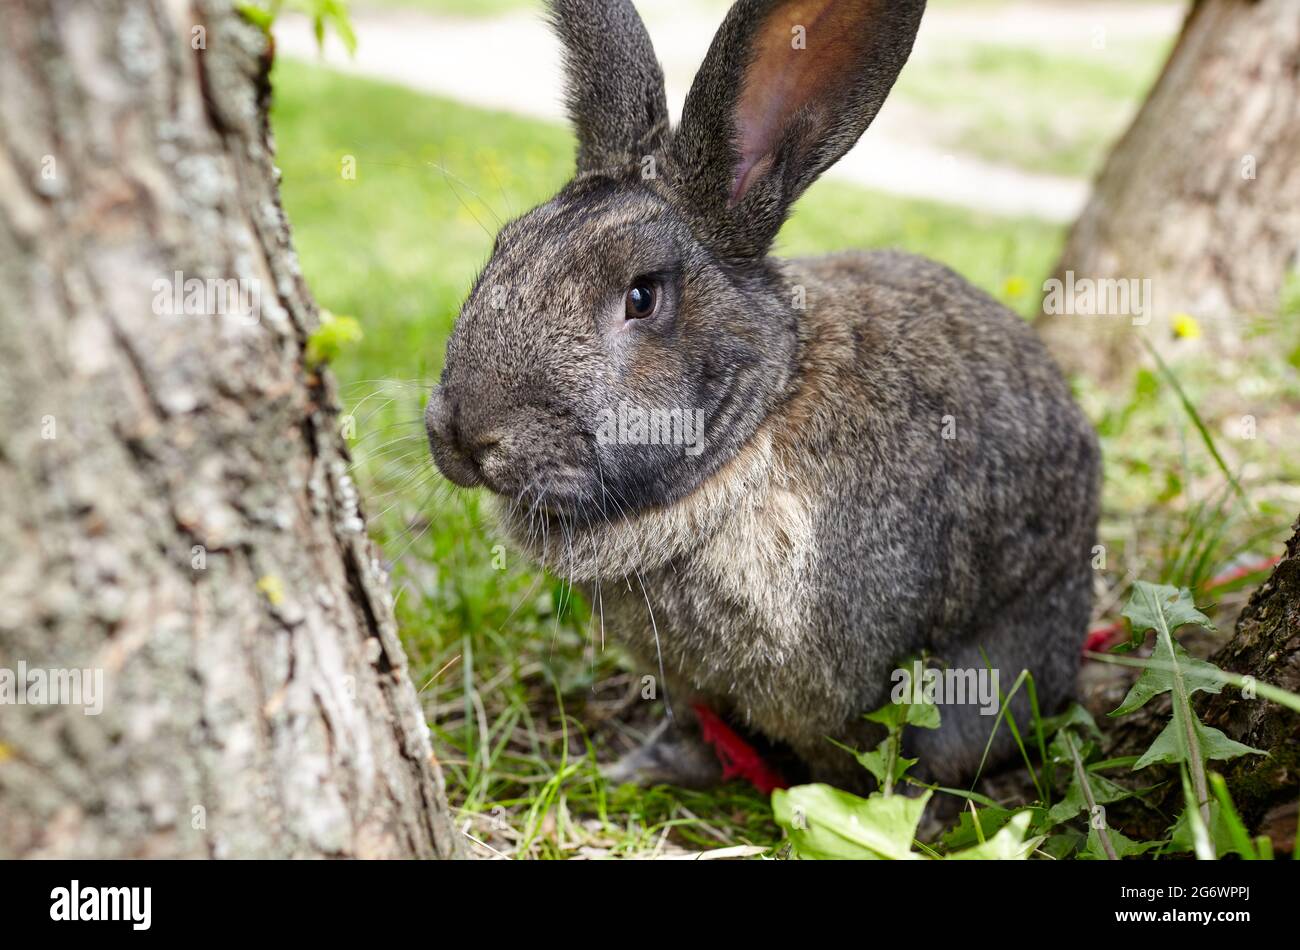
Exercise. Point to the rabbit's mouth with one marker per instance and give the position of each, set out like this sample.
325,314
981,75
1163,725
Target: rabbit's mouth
567,532
526,459
562,497
536,487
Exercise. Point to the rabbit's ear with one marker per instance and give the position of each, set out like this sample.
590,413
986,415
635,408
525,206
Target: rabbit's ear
786,89
614,87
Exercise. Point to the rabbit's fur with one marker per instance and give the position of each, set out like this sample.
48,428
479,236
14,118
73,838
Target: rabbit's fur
892,465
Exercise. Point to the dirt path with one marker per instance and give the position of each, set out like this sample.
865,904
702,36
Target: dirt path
512,63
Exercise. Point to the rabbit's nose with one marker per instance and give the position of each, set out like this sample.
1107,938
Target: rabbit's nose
456,456
437,416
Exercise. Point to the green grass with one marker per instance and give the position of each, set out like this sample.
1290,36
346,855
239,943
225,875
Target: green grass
1040,110
1003,103
523,703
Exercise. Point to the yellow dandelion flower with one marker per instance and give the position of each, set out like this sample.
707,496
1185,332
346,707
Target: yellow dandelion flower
1186,327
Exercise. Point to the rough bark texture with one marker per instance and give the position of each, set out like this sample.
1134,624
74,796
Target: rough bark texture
176,506
1202,194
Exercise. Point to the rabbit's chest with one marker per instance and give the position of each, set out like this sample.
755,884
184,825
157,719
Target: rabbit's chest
761,562
734,616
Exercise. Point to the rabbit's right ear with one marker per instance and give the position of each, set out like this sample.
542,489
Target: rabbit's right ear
614,87
787,88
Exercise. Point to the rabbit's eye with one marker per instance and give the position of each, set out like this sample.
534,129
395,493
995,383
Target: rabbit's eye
641,300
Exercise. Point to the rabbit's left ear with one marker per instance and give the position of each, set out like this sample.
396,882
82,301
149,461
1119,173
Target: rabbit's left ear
787,88
614,87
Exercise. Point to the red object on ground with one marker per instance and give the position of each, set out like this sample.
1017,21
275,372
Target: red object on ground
1237,573
1102,637
739,759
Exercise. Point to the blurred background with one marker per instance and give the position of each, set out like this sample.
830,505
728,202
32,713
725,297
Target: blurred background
402,157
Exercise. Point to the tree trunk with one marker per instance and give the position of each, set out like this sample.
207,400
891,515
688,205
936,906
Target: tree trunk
177,511
1201,195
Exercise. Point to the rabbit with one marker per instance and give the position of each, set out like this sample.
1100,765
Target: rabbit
855,460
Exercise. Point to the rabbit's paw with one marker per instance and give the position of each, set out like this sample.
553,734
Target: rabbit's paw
669,757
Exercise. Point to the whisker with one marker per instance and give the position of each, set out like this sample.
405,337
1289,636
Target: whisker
465,204
448,176
654,626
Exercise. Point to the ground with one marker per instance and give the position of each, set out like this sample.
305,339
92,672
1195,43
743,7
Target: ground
524,703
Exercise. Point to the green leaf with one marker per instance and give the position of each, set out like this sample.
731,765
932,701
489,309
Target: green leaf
875,762
1104,791
1260,688
891,716
912,710
330,338
263,13
991,820
1009,844
1161,606
1159,677
258,16
923,715
824,822
1168,746
1094,851
338,15
1062,844
1076,715
1215,745
1233,826
909,708
1059,750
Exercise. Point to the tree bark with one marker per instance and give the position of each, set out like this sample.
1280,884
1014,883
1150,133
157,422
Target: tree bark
1201,195
177,511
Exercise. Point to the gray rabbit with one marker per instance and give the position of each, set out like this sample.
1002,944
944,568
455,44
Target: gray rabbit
779,481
